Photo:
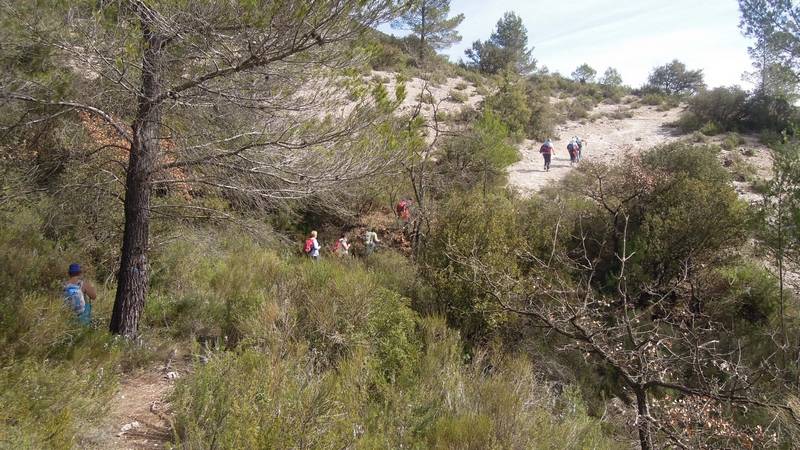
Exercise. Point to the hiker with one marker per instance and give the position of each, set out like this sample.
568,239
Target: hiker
312,247
76,289
572,148
581,144
342,247
403,210
371,241
547,151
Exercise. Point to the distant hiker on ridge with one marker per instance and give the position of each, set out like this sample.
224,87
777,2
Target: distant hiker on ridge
581,144
547,151
572,149
76,289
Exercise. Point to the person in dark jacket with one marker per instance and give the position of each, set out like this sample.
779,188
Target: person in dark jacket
547,151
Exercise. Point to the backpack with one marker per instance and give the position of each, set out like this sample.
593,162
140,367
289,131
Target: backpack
570,146
309,245
73,297
337,246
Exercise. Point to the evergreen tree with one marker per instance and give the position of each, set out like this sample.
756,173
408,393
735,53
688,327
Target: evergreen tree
611,78
507,48
675,79
775,26
584,74
430,25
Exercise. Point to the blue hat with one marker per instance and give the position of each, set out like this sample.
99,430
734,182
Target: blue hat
74,269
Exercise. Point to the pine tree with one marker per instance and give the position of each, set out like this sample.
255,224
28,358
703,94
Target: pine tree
505,49
584,74
430,25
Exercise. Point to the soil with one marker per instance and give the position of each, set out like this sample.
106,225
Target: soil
605,140
139,415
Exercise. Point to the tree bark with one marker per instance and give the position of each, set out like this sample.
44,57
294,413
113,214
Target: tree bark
643,419
132,280
422,33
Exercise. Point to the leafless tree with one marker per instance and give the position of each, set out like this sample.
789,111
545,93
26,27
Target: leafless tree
248,97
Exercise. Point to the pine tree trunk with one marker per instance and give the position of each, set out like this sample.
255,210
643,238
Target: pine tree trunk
133,270
422,33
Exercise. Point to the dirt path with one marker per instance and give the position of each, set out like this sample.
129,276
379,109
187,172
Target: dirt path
138,416
606,139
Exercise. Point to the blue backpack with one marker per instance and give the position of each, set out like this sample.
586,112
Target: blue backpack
73,297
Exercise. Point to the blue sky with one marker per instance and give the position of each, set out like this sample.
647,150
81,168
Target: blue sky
632,36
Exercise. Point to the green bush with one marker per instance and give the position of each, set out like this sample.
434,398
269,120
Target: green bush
46,404
654,99
725,107
688,122
252,399
579,108
732,140
711,129
457,96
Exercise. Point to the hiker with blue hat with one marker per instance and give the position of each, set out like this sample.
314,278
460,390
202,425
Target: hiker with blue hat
76,289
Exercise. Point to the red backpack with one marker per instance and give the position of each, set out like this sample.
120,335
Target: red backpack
309,245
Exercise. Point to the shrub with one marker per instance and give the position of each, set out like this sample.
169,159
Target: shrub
426,97
653,99
579,108
688,122
710,129
725,107
458,97
256,400
770,137
460,86
732,140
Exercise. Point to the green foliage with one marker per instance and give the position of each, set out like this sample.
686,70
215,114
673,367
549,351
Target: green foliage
525,110
750,296
725,107
653,99
689,122
578,108
48,404
584,74
675,79
506,49
732,109
732,141
773,24
611,78
457,96
711,129
430,25
258,400
481,224
480,156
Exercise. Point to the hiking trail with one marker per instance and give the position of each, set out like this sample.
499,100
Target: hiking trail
138,414
607,140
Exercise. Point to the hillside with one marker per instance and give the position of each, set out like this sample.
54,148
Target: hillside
267,225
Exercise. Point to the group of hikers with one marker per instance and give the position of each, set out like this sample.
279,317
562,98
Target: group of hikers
341,247
78,292
574,148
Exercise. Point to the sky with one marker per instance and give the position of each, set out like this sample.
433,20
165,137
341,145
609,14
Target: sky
632,36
